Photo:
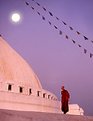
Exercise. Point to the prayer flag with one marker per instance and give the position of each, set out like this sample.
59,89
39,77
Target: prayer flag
55,27
73,41
66,37
43,17
57,18
64,23
60,32
44,8
85,51
50,13
85,38
78,32
32,7
49,22
38,13
70,28
37,3
79,45
91,55
27,3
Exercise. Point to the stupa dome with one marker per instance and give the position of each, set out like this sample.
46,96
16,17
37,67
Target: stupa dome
14,69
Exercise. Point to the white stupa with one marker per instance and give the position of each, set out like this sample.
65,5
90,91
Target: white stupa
20,88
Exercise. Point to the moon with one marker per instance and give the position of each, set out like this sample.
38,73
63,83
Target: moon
16,17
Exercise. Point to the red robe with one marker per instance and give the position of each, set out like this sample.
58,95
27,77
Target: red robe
64,101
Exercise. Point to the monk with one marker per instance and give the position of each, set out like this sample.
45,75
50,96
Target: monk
64,100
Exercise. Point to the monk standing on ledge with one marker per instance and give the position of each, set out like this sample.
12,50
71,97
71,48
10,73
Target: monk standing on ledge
64,100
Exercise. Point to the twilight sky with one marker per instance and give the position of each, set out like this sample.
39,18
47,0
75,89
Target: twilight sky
55,58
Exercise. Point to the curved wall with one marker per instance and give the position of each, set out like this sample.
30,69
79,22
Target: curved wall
14,69
27,100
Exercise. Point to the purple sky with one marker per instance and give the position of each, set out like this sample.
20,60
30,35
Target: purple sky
55,59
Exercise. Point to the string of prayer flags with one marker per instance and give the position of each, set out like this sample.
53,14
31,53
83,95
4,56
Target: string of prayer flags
60,31
51,14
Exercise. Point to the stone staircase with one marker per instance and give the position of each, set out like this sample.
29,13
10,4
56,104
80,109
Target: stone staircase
8,115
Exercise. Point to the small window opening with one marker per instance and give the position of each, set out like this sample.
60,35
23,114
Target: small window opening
44,95
20,89
48,96
52,98
38,93
9,87
30,91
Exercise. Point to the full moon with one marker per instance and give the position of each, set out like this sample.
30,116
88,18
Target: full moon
15,17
